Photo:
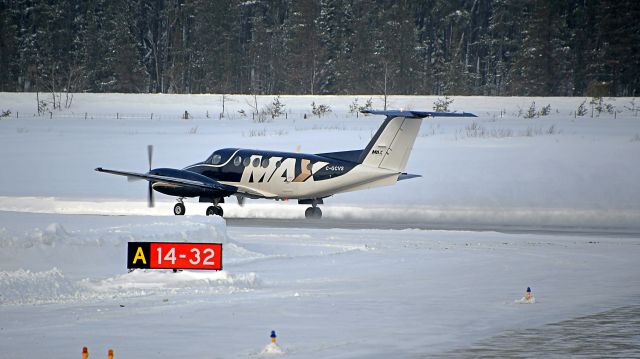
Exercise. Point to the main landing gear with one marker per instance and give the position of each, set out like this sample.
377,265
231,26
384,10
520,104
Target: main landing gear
313,213
215,211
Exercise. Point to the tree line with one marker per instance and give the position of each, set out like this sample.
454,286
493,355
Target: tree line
458,47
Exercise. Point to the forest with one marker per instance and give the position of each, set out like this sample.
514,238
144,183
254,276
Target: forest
429,47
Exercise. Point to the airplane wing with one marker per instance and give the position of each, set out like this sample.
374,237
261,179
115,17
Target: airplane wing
196,180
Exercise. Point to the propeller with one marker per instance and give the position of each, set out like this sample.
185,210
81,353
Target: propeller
150,200
150,155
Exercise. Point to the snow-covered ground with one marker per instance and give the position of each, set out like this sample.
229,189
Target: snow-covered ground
327,292
559,169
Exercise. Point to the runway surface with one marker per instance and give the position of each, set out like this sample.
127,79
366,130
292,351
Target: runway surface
329,223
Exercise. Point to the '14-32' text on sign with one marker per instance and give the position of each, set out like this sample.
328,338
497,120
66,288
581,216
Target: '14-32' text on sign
165,255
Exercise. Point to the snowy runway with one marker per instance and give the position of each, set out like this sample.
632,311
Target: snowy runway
328,292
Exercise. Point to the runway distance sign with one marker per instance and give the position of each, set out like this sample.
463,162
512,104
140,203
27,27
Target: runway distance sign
168,255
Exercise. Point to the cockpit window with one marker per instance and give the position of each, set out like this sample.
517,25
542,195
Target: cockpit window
220,157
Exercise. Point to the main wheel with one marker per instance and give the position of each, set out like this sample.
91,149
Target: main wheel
313,213
179,209
217,210
211,211
308,213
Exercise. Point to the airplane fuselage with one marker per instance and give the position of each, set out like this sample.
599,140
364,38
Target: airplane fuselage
283,175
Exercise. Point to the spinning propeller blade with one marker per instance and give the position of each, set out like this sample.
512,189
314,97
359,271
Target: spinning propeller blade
150,155
150,200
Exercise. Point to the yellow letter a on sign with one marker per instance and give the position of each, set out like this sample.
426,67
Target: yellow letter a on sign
139,255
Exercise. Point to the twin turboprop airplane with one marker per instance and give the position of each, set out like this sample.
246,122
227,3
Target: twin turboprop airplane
309,178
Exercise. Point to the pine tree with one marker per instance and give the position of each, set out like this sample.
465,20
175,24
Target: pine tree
543,62
303,46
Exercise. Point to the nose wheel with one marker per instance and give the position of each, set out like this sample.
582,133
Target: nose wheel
313,213
179,209
215,211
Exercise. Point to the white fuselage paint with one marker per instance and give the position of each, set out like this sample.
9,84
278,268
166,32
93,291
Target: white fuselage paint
279,181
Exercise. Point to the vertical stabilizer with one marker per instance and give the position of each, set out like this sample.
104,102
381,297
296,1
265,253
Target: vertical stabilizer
392,144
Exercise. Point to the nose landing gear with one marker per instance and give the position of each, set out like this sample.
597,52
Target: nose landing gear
179,208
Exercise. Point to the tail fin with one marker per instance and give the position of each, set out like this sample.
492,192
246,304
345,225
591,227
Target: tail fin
392,144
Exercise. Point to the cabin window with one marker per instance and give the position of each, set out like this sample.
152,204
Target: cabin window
278,164
256,162
265,163
216,159
237,161
246,162
309,166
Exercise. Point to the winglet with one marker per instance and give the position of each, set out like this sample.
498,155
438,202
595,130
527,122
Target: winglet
417,114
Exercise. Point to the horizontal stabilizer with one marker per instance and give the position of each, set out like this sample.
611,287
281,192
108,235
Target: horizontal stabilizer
406,176
417,114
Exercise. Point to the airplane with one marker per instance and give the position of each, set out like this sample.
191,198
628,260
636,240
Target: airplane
308,178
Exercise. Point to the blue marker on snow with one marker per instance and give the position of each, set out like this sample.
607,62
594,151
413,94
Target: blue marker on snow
273,336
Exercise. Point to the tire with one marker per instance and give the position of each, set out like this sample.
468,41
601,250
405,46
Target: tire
308,213
211,211
218,211
179,209
317,213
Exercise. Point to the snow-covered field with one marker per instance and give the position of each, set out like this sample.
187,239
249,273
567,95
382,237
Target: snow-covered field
327,292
